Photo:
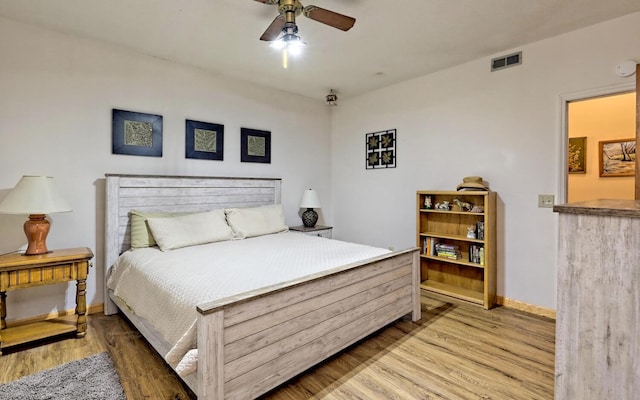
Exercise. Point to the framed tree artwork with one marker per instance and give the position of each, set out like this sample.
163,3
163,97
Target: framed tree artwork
617,157
577,155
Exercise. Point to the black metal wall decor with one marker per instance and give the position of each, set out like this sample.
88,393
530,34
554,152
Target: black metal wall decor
381,149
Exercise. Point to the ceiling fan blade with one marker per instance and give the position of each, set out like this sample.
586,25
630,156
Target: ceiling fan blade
268,1
330,18
273,31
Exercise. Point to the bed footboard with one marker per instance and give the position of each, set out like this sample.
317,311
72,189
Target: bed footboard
249,344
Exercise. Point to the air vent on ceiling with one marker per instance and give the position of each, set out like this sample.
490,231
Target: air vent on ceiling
509,60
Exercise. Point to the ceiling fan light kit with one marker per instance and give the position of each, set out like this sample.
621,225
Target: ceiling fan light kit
289,40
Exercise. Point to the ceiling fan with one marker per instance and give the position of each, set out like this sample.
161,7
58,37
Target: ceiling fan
285,22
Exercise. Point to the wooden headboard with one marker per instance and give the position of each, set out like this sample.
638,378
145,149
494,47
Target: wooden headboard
173,193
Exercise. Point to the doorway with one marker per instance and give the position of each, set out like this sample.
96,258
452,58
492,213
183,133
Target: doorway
601,132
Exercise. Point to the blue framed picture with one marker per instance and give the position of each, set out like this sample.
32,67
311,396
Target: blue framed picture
255,146
204,140
136,134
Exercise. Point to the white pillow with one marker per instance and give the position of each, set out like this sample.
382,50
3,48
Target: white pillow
141,235
188,230
256,221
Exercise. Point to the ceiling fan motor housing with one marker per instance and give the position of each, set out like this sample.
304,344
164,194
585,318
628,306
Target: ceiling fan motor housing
290,9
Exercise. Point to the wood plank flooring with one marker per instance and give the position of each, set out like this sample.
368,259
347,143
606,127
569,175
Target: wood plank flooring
457,352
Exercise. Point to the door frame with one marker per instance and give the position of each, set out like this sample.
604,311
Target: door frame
637,195
566,98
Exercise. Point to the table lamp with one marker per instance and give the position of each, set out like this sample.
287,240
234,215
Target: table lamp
309,200
36,196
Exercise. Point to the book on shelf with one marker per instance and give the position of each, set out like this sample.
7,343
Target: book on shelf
454,256
449,251
476,254
429,245
480,230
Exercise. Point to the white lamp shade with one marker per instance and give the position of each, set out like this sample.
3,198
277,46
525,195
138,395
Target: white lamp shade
34,195
309,199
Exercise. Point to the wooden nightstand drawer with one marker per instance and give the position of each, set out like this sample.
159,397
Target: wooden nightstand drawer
29,277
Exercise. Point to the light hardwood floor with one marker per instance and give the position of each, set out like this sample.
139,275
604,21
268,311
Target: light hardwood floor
457,351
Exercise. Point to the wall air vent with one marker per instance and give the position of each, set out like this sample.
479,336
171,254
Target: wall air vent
503,62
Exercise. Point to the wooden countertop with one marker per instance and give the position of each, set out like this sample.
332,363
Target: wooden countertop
604,207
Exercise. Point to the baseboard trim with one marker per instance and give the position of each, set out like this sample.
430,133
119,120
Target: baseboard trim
95,309
522,306
91,309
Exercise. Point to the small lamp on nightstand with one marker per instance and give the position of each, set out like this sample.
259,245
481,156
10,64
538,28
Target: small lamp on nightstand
36,196
309,200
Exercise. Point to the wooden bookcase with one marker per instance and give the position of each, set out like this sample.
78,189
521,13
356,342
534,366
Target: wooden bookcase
454,272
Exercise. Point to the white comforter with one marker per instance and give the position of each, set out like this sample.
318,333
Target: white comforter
165,287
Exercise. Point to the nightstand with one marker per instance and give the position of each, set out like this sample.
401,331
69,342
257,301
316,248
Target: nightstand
18,271
318,230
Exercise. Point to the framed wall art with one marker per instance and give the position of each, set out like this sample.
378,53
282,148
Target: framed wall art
204,140
617,157
381,149
255,146
577,155
136,134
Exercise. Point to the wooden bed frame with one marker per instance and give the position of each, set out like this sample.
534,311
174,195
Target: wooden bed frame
250,343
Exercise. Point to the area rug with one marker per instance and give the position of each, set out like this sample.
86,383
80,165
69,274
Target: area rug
93,377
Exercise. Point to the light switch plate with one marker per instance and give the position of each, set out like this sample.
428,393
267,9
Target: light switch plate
545,200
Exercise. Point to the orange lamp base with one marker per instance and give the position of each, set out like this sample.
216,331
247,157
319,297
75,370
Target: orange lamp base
36,229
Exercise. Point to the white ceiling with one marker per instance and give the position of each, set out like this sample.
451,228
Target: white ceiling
392,40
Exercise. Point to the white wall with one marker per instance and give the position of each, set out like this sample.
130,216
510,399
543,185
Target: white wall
504,126
57,92
56,97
